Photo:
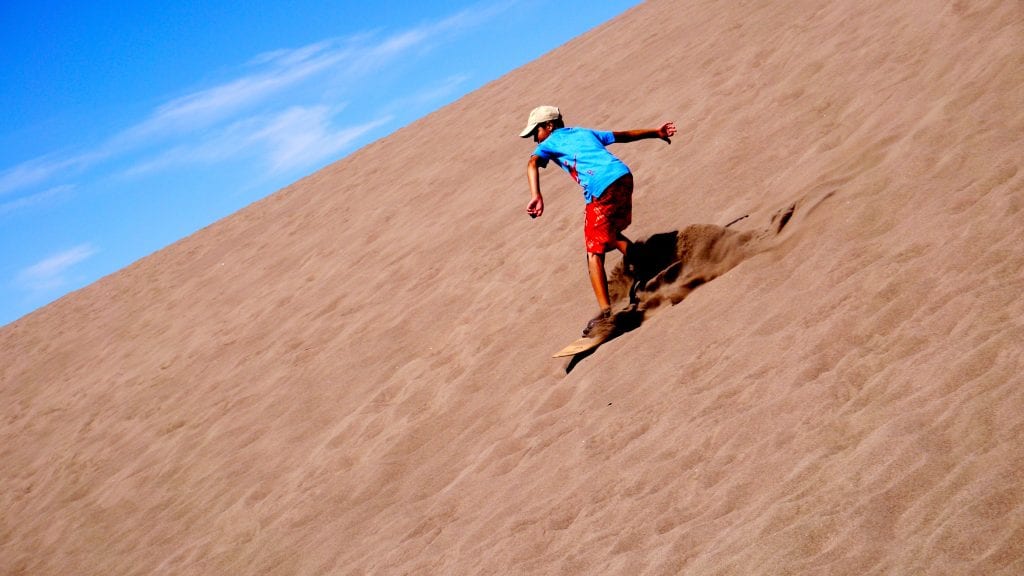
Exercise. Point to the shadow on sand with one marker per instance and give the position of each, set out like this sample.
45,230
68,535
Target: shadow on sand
666,267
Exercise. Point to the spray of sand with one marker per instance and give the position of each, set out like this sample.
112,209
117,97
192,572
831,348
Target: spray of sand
665,268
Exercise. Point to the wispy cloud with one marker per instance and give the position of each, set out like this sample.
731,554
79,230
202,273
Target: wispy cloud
283,69
50,273
298,137
422,37
41,170
37,199
275,108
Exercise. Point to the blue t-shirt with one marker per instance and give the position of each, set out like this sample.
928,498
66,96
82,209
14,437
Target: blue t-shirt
581,152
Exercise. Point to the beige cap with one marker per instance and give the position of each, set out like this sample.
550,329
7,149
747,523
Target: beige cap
540,115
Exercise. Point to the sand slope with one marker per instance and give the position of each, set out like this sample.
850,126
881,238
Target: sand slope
352,375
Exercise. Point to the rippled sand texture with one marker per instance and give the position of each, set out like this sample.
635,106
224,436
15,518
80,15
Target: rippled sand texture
352,376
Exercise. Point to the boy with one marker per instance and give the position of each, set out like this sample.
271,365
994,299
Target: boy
607,188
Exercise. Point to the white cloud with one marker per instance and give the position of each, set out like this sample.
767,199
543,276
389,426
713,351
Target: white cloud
27,174
264,106
290,56
37,199
187,116
49,274
298,137
40,170
284,69
378,55
207,107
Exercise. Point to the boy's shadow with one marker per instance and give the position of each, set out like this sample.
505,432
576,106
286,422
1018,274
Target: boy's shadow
666,267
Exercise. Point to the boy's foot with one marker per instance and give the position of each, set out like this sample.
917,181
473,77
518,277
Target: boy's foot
598,323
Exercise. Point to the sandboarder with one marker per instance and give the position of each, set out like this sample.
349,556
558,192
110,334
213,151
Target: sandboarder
607,187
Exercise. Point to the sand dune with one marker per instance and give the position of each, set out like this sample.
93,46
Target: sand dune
352,376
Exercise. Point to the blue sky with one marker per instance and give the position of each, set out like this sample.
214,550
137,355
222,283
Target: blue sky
129,125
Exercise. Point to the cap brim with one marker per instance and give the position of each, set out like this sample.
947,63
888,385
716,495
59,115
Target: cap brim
529,130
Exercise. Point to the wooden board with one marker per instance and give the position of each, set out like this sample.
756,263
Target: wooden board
581,345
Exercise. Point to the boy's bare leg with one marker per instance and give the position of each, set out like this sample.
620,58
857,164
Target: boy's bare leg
623,244
599,280
598,276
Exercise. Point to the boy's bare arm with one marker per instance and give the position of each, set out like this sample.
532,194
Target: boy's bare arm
536,206
666,132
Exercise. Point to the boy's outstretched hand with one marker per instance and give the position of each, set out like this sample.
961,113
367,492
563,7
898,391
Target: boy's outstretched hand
536,207
667,131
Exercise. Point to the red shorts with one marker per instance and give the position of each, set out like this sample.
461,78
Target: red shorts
608,215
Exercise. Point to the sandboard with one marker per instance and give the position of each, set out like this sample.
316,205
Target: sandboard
580,346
